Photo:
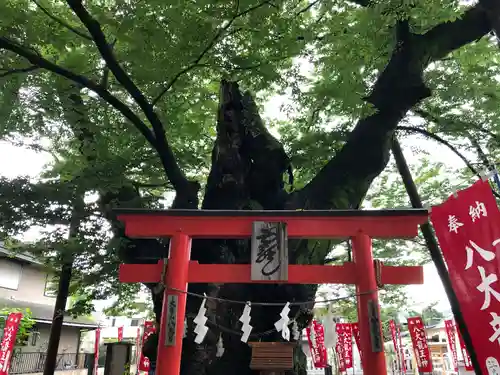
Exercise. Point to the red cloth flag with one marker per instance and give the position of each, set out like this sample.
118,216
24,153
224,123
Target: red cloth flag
96,349
149,328
401,349
419,341
392,328
339,348
468,230
465,353
450,332
344,345
8,341
357,338
316,338
120,333
348,345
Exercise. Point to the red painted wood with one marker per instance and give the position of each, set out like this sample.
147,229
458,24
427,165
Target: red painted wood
402,275
297,274
156,225
366,287
169,357
182,271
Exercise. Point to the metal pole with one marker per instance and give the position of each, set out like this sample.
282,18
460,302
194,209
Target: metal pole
435,252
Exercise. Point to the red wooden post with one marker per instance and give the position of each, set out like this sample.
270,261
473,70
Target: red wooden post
373,362
168,360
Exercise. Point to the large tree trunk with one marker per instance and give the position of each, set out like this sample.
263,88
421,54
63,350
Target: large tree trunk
248,166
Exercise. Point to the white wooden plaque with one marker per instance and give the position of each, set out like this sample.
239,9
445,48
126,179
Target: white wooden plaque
269,251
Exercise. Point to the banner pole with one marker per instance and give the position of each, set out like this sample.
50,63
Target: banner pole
435,252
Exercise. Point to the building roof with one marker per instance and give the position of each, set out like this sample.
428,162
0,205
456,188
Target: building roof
26,257
43,313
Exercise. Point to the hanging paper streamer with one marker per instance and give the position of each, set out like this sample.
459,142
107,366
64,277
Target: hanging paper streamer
316,338
201,329
245,317
220,347
357,339
282,324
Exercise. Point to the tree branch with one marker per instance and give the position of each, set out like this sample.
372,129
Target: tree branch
167,157
61,22
40,62
208,47
307,7
345,179
444,142
439,120
8,72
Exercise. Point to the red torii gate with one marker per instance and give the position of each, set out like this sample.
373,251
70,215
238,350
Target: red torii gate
183,225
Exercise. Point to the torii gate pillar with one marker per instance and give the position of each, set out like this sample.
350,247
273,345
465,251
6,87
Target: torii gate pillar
366,289
182,225
169,357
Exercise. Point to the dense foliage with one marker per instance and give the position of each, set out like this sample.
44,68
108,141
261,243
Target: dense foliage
126,97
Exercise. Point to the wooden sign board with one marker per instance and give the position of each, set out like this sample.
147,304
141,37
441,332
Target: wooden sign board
171,323
269,251
375,334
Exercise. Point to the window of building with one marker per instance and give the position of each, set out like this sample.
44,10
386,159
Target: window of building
113,322
10,274
50,287
134,323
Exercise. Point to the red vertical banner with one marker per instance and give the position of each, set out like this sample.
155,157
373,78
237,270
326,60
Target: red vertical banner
450,332
419,341
468,230
347,342
401,349
120,333
8,341
339,348
357,338
392,328
96,349
149,328
316,338
465,353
